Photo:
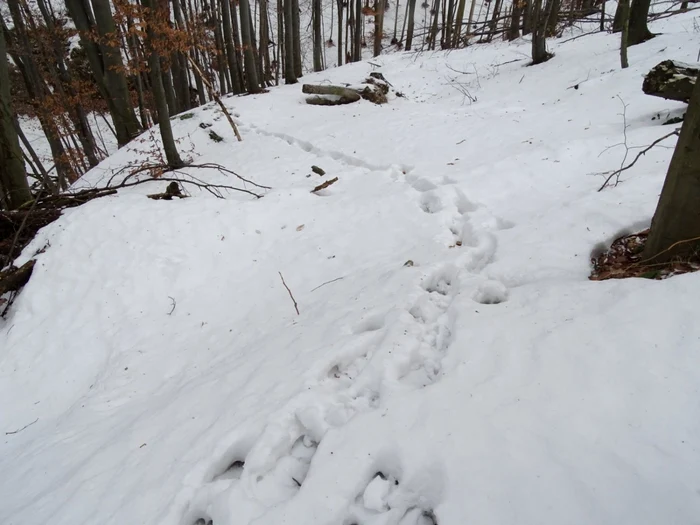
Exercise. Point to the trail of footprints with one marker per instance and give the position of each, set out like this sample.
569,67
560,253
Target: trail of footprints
415,341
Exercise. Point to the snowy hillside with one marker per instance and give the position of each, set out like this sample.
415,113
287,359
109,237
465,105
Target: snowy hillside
451,363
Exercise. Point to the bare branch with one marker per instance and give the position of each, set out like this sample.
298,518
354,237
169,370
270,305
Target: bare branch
296,307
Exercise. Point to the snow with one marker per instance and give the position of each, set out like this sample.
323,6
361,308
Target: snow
451,362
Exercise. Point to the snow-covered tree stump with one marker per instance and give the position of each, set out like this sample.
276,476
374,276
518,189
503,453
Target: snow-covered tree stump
671,80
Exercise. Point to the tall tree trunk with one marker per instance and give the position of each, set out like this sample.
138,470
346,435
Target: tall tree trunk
411,24
540,16
281,14
296,31
317,36
434,25
265,42
456,36
527,17
625,33
125,121
290,76
638,31
378,27
358,30
229,51
514,28
251,72
13,178
155,14
340,31
449,24
180,69
238,45
675,228
553,17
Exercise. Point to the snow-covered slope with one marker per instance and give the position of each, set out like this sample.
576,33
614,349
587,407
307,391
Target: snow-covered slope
487,379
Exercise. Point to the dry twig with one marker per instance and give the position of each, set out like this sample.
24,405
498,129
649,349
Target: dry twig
296,307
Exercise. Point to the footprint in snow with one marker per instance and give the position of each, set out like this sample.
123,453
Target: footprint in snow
491,292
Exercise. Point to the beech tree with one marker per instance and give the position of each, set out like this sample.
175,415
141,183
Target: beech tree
675,228
155,17
14,188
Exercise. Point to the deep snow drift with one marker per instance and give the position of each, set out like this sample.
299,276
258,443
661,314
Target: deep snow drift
451,362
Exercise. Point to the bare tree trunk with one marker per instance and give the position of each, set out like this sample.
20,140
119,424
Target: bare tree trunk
358,30
155,13
434,27
675,228
290,76
280,40
456,37
378,27
553,17
539,39
265,42
296,31
411,24
251,73
527,17
13,178
471,17
126,123
638,30
625,33
340,31
317,36
514,29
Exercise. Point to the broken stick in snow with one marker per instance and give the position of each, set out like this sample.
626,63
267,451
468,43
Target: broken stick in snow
215,96
324,185
296,307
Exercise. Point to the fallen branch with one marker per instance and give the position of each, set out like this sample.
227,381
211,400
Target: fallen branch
21,429
327,282
324,185
616,173
174,304
296,307
213,94
13,279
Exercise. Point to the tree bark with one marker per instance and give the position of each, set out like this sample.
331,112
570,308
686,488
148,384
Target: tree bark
296,32
638,30
514,28
340,30
317,36
378,27
13,178
411,24
124,117
677,217
624,62
290,76
539,39
155,14
358,30
251,72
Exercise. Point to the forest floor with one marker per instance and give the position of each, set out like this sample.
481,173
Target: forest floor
451,362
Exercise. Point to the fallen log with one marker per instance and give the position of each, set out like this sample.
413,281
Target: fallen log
671,80
13,279
329,95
